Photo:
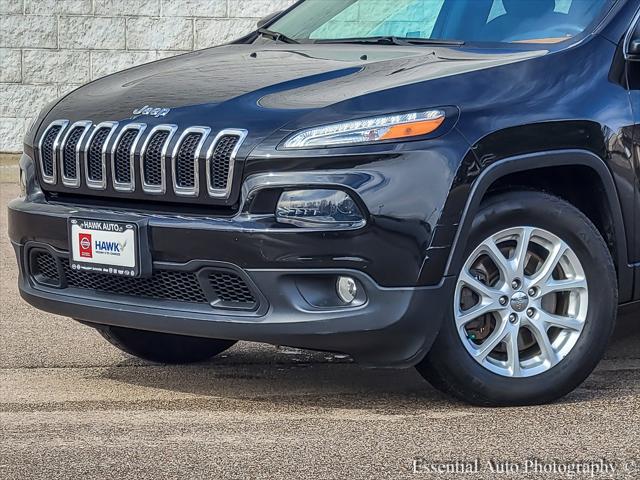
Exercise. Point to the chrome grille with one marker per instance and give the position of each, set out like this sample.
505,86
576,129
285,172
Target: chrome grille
131,150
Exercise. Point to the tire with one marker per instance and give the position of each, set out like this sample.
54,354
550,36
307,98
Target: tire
457,364
163,347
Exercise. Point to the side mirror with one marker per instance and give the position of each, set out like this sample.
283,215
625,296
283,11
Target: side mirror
633,50
264,20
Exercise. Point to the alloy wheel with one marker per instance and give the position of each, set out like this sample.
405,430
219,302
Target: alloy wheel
521,302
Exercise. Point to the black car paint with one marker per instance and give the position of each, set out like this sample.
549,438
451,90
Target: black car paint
517,108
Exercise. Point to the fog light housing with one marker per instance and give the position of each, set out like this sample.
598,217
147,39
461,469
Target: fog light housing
347,289
322,209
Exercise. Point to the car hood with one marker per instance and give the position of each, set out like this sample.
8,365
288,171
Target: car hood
262,88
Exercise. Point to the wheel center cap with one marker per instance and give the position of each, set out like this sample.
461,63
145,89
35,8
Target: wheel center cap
519,302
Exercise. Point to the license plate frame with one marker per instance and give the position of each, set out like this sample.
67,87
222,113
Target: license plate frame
110,246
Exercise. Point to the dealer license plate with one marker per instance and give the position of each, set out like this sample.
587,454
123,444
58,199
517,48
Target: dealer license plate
103,246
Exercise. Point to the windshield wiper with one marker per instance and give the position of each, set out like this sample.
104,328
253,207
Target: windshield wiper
391,40
276,36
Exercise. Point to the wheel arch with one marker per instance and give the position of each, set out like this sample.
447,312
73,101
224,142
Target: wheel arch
517,167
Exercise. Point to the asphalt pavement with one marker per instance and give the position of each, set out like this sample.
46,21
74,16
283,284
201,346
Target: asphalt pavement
73,407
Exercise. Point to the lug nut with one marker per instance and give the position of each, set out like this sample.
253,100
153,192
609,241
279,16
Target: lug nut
513,318
515,284
533,292
503,301
531,312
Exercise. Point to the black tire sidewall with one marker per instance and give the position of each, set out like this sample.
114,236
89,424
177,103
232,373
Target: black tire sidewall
465,376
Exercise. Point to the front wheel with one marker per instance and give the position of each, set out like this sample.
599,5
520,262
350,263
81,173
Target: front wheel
534,305
163,347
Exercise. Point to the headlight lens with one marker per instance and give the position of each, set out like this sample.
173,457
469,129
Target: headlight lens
369,130
333,209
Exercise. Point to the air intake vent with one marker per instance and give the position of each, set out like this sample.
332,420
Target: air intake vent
219,288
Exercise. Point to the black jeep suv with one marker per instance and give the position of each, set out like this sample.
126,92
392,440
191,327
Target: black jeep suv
447,184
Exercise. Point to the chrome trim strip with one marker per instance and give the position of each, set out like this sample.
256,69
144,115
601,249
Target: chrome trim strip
217,192
157,189
67,181
93,184
121,186
51,180
195,191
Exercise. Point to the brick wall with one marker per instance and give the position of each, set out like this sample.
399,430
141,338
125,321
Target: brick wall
48,47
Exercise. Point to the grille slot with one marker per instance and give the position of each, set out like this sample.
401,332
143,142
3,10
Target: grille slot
221,162
95,160
48,145
153,159
228,288
186,161
122,157
70,160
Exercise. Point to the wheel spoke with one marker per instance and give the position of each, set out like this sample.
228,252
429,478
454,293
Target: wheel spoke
498,258
466,316
560,321
567,285
513,354
484,291
539,331
519,258
543,275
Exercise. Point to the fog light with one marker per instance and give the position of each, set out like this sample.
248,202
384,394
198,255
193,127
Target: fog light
333,209
347,289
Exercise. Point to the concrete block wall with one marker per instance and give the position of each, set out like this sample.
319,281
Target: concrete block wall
48,47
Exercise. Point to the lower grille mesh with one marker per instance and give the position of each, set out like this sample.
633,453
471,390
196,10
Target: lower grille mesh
230,289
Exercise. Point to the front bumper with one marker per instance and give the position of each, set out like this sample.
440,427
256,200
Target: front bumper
393,327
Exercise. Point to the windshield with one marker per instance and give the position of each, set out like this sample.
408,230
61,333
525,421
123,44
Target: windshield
527,21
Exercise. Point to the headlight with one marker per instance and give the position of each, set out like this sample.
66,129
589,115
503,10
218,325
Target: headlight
369,130
333,209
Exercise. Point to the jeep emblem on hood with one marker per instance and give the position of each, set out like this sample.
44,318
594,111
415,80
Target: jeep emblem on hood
152,111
